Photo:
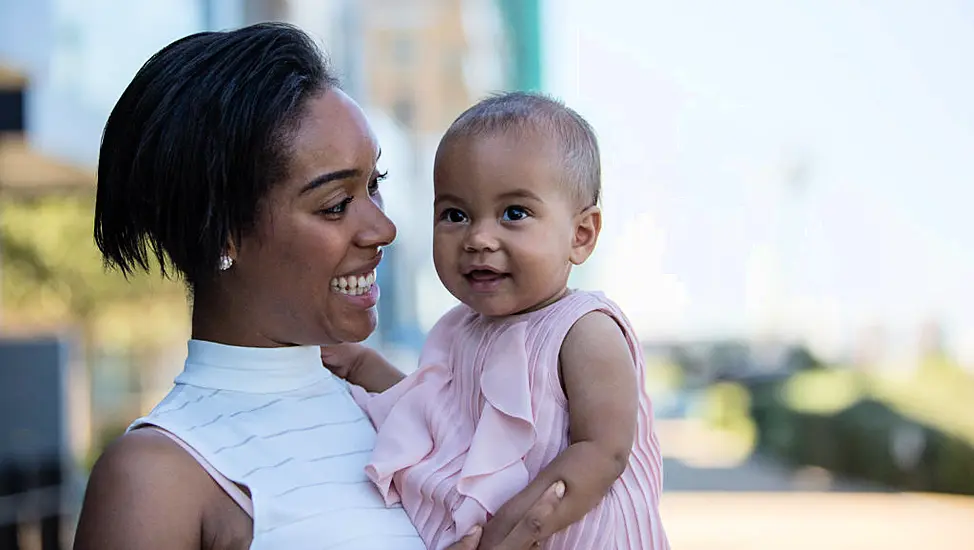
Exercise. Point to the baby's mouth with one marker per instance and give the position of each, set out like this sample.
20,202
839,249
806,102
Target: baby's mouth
484,275
484,280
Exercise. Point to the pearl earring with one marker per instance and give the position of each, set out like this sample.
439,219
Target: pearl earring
225,262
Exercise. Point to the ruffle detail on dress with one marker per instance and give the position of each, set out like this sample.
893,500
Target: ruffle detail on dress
492,467
494,470
404,437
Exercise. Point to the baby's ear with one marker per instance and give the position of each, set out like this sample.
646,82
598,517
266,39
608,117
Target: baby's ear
588,225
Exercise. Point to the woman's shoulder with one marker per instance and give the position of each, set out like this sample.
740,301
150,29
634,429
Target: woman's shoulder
142,458
147,459
144,486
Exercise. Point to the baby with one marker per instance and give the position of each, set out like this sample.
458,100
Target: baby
526,382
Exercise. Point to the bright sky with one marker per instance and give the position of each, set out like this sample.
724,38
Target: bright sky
705,108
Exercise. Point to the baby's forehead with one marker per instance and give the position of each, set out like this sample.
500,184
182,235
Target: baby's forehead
502,153
507,150
508,159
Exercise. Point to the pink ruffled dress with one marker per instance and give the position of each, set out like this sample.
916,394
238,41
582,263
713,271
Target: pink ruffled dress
485,412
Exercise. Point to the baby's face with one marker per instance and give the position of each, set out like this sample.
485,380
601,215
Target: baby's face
504,223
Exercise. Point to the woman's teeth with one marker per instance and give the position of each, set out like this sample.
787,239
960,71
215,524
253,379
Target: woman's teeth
353,285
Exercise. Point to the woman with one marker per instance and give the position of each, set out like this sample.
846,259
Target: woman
234,159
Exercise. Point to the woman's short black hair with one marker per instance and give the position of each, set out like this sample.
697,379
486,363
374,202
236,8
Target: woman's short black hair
195,141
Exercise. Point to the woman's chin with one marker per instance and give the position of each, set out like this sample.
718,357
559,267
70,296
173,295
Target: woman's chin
355,326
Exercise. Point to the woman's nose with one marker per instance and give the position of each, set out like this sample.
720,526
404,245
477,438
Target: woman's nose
377,229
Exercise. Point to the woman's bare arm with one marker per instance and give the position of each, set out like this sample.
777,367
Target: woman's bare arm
531,528
144,492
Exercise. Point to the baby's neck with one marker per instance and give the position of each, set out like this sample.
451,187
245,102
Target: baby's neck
539,305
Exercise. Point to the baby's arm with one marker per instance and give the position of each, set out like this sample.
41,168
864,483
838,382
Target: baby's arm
600,382
361,366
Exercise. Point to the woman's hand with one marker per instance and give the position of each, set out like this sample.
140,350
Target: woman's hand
528,532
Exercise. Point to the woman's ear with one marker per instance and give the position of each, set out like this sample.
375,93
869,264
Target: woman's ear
229,255
588,225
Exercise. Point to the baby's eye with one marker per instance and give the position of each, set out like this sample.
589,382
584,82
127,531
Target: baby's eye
453,215
515,213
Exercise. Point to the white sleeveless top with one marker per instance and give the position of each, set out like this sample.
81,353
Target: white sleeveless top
277,422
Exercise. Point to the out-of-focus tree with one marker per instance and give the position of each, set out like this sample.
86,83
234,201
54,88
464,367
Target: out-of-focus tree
800,358
53,276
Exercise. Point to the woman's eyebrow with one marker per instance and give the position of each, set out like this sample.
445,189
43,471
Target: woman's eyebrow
330,177
324,179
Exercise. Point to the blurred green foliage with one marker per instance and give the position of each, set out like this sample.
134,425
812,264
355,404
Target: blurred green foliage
662,374
53,277
726,406
910,432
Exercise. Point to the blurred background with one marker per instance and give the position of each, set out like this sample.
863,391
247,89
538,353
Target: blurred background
786,189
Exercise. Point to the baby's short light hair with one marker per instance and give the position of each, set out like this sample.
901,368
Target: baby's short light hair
530,111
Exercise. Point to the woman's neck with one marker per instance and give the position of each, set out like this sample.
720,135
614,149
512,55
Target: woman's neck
218,317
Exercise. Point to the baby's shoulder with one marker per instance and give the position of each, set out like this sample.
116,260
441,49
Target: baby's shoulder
569,309
583,311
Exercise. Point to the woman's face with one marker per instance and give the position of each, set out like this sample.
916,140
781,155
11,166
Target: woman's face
305,274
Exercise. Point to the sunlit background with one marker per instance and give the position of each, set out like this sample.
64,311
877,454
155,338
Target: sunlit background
786,197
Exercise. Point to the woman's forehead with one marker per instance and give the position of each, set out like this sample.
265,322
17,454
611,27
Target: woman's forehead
334,134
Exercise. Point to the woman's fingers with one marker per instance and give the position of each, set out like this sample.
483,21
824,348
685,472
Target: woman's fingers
468,542
535,526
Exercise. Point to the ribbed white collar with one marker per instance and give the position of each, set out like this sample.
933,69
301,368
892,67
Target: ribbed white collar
251,370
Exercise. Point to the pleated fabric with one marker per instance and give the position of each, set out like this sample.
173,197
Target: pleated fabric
485,412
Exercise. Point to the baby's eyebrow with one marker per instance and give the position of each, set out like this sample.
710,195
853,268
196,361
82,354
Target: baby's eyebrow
446,197
521,194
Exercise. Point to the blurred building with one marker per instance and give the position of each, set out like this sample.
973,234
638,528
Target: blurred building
424,63
44,399
414,57
523,21
414,66
26,172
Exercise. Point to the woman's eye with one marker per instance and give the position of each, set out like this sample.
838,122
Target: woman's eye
453,215
374,184
515,213
337,209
